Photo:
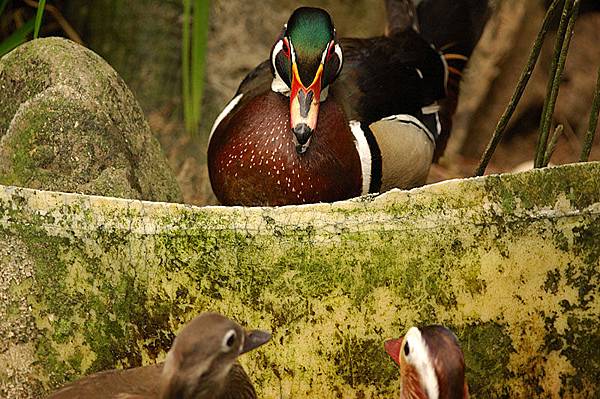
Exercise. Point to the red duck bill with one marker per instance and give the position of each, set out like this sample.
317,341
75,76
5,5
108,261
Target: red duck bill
304,108
392,347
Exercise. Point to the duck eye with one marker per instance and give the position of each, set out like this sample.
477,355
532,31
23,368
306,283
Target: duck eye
406,349
330,51
229,340
286,47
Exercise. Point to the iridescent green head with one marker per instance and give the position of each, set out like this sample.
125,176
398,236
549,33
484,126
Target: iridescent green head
305,60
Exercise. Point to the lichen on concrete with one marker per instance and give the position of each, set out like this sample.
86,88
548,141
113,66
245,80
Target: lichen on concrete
510,263
69,123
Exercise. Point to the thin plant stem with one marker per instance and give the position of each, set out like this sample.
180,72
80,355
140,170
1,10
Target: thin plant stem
38,18
516,97
185,61
56,14
554,84
558,44
593,123
553,142
199,42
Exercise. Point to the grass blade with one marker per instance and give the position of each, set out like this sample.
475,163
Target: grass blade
516,97
185,61
38,18
18,37
589,137
198,66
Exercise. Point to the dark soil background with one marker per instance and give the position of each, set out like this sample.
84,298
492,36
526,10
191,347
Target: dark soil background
142,41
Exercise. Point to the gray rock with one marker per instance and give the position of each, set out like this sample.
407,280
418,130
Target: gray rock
69,123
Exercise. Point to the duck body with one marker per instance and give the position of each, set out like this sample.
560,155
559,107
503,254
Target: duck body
144,383
202,364
431,364
256,162
374,126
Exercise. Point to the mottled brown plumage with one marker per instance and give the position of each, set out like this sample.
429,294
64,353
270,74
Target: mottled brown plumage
200,365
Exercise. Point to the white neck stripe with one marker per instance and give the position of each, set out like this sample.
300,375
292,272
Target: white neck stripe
224,113
364,152
420,359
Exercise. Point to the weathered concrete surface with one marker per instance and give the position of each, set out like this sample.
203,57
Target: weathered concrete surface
510,263
69,123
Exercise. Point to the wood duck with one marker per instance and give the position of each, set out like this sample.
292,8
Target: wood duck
326,119
200,365
431,364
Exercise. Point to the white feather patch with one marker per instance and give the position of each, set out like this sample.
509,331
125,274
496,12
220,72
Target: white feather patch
338,51
224,113
278,85
446,72
364,152
418,357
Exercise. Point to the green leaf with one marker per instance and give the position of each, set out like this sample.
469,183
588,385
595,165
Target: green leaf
185,67
198,66
38,18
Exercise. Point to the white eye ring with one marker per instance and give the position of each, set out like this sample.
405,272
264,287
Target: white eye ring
228,340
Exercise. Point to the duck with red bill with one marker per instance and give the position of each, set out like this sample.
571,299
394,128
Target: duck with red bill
432,365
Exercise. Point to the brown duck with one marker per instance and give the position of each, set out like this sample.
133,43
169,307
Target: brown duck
432,365
200,365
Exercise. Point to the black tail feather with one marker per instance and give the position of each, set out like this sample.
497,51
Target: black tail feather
454,28
455,25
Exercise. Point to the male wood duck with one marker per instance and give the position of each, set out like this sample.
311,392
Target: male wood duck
200,365
326,119
431,363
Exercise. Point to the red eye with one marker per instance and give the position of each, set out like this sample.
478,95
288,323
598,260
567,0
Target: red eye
330,51
286,47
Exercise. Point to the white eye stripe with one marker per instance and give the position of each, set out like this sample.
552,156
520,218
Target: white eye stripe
278,47
292,51
338,52
418,356
324,56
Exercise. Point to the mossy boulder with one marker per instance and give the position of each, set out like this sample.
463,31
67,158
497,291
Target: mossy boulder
69,123
511,263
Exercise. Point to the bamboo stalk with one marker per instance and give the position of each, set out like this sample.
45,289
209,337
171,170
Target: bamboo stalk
589,137
561,49
516,97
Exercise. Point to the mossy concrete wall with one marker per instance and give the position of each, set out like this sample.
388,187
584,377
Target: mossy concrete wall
510,263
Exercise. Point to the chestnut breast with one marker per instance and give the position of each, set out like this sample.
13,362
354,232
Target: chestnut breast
252,158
